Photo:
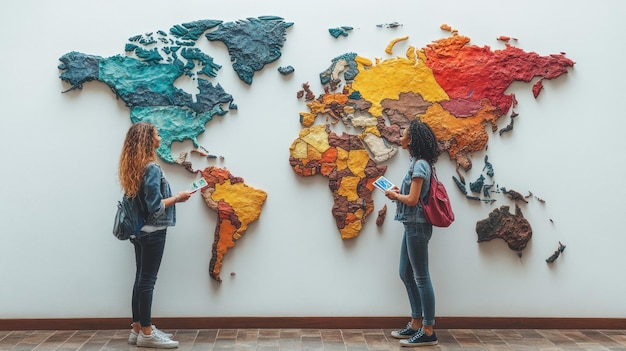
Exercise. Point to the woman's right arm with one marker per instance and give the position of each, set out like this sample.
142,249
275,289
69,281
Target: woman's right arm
180,197
152,190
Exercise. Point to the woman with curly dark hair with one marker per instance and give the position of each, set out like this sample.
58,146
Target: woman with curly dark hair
141,177
422,145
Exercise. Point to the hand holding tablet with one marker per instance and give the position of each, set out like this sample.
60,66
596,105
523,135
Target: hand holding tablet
197,185
383,184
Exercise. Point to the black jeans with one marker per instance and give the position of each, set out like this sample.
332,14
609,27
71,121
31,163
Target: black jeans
148,254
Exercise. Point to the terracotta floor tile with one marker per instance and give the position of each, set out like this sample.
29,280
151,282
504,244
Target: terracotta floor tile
269,333
319,340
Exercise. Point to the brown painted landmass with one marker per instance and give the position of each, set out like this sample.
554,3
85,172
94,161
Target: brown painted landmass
350,171
382,214
512,228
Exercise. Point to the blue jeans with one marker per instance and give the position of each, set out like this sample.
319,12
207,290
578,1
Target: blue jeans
414,271
148,254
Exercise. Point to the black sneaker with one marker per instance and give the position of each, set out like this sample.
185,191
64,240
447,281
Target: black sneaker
420,339
405,333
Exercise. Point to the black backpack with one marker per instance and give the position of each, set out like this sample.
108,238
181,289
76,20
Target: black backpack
129,218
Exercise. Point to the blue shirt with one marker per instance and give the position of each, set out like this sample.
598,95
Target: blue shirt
418,168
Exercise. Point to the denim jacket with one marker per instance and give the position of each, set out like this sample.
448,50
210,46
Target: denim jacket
154,189
418,168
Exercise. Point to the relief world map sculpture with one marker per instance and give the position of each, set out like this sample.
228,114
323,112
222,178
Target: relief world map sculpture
455,87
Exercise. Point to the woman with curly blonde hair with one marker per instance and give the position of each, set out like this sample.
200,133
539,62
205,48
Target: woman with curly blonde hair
142,178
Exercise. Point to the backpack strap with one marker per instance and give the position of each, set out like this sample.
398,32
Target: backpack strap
432,171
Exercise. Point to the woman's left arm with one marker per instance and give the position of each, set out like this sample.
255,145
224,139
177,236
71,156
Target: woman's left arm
413,196
152,189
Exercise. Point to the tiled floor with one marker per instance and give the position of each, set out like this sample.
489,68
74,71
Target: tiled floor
319,339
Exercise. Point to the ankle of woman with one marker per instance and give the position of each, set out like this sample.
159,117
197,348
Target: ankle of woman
146,330
416,324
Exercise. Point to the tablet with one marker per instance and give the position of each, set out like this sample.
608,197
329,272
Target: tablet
383,184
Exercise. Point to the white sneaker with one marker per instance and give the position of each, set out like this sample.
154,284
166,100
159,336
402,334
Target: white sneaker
132,338
158,331
155,340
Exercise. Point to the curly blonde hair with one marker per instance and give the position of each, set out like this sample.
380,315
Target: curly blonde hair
138,150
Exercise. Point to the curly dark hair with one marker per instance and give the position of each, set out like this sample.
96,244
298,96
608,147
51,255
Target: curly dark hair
423,142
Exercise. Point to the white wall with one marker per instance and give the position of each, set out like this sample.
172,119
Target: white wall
58,258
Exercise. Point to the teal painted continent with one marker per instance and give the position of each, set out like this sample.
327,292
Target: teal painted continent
145,79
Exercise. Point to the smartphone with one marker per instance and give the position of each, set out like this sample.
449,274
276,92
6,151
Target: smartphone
197,185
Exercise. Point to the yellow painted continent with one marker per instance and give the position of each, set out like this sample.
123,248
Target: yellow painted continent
236,204
388,78
245,200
